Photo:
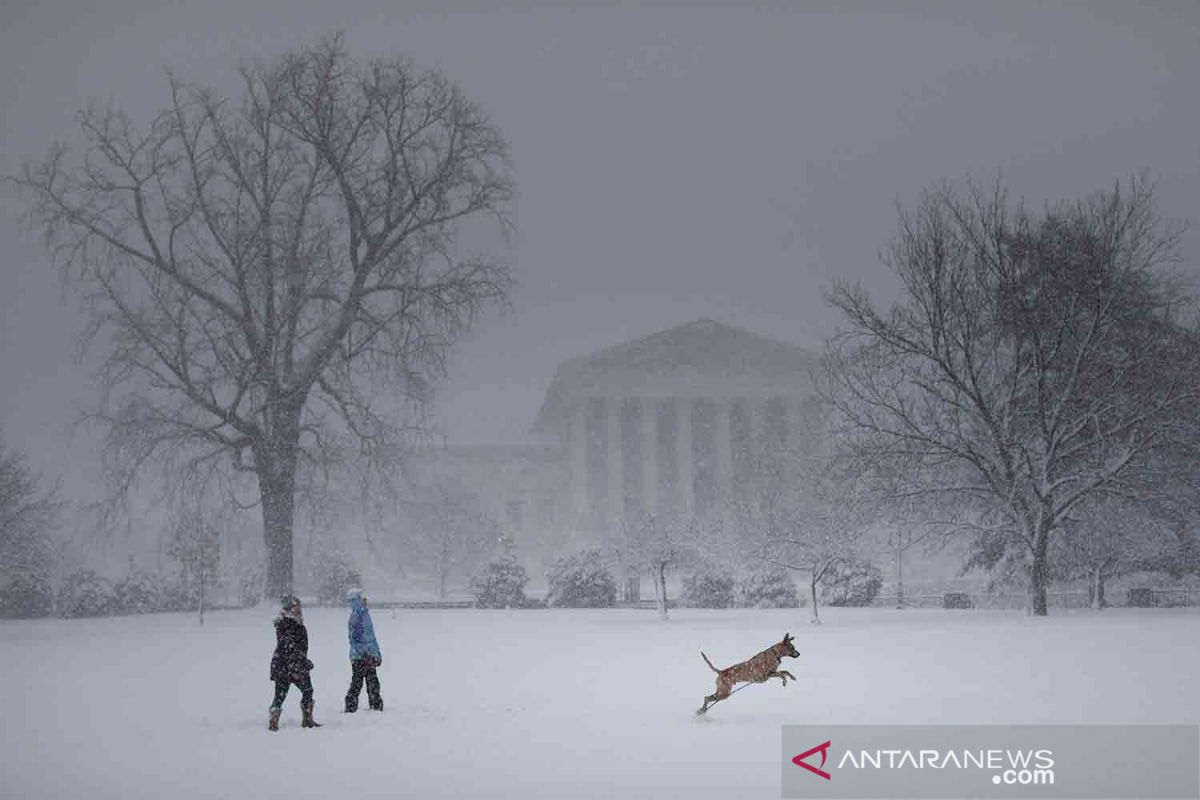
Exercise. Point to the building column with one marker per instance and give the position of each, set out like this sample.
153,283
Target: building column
683,455
756,410
724,452
577,433
616,486
649,455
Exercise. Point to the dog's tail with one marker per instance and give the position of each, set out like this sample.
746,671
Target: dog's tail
706,661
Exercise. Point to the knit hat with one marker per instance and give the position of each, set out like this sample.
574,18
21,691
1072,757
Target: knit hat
354,594
288,600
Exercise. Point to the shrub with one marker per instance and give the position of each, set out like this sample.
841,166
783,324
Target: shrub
769,587
138,593
250,586
581,581
86,594
335,574
25,594
707,590
500,584
178,596
853,584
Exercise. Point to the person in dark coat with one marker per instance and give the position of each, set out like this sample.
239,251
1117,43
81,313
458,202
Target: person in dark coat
290,664
365,657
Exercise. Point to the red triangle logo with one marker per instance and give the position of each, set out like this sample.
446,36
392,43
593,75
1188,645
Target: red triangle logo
800,762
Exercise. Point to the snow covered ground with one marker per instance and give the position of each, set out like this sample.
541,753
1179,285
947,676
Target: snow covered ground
553,704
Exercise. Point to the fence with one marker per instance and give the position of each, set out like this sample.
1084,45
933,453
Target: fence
1135,598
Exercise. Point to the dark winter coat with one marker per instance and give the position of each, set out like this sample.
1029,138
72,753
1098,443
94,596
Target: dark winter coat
290,661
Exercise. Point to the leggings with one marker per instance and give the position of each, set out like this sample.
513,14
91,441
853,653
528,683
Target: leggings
304,685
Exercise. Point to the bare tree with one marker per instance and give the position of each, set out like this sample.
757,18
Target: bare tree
656,544
807,514
453,534
1032,362
1107,538
196,545
263,266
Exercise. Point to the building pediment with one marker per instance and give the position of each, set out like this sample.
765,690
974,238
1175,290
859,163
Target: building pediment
702,358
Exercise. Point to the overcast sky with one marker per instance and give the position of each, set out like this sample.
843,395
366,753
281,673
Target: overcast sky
674,161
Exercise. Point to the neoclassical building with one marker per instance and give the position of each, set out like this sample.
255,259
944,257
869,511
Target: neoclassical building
666,425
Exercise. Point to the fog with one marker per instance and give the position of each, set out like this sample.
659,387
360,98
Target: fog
673,162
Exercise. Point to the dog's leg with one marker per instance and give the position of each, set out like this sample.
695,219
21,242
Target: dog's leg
720,694
711,700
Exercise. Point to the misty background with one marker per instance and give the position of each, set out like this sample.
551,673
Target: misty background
673,162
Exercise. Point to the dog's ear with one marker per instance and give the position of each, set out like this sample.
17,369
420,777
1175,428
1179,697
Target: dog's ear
787,637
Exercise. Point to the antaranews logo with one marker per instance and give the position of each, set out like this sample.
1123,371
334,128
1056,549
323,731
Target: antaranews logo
1004,762
1019,767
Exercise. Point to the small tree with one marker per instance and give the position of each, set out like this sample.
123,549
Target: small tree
581,581
335,572
197,548
768,586
449,530
811,513
656,544
1107,538
139,592
852,584
707,590
500,584
86,594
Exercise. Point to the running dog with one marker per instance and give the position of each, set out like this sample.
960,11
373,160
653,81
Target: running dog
752,670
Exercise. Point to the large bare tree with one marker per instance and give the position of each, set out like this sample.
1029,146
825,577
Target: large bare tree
261,268
1032,362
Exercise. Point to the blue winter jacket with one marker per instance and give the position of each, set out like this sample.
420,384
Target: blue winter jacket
362,632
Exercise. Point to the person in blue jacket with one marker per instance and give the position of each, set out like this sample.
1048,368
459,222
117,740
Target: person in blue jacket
365,657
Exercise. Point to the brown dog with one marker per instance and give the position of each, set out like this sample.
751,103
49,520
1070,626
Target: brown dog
752,670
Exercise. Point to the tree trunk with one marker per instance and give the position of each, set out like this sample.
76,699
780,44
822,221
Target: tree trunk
1038,573
899,577
275,463
660,589
202,598
443,565
815,619
1097,589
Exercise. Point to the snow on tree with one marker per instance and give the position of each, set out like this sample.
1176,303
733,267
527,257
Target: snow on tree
1108,537
500,583
656,544
582,580
263,267
807,514
28,515
1032,362
767,586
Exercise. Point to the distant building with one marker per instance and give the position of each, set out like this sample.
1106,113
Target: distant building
666,425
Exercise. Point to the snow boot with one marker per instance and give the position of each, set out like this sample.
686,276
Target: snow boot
273,720
306,712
